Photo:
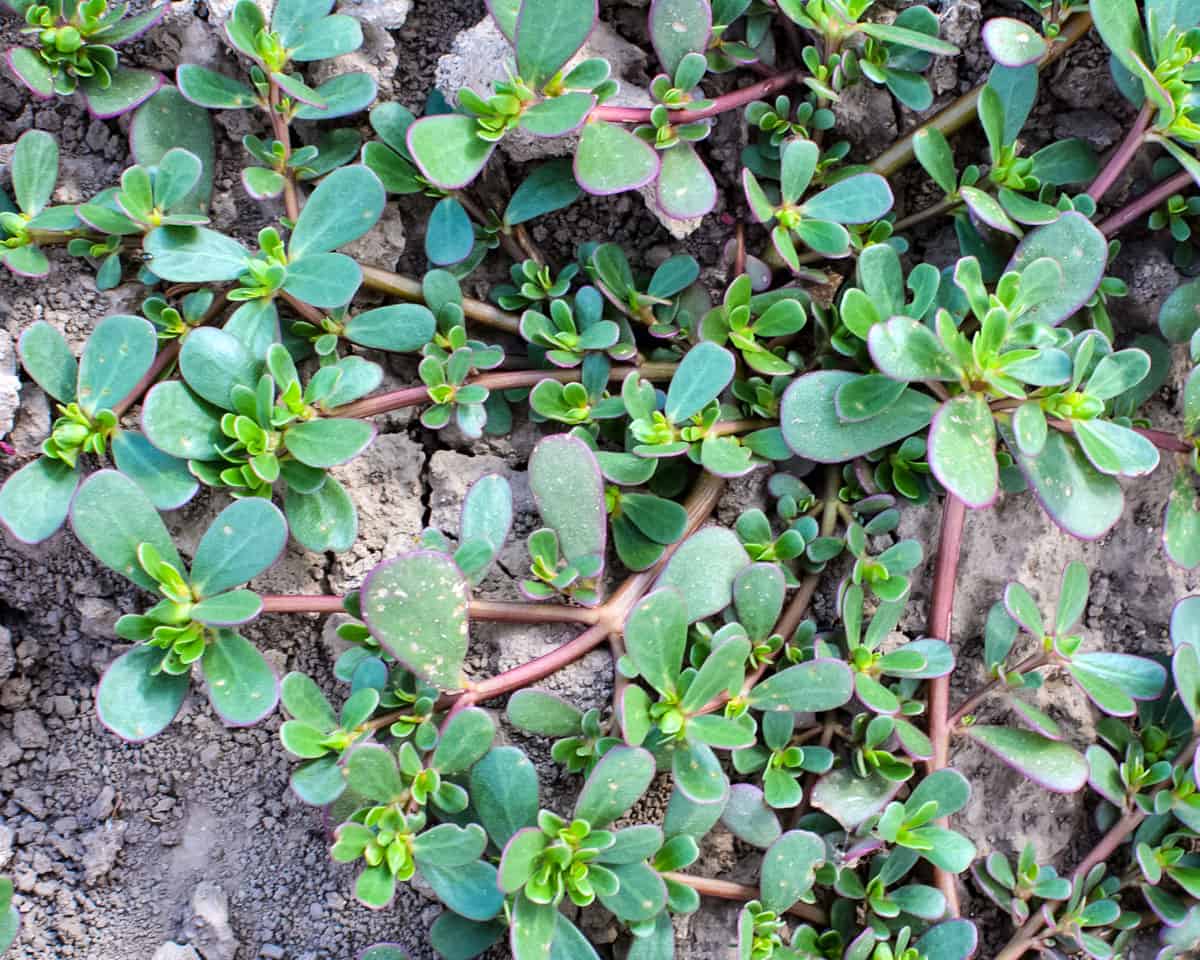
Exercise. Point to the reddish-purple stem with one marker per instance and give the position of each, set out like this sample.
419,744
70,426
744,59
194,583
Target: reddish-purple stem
723,103
1146,203
1123,155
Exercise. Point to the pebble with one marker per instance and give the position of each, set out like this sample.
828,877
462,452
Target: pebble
29,732
270,951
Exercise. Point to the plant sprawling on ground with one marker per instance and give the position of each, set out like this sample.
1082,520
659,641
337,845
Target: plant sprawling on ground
253,371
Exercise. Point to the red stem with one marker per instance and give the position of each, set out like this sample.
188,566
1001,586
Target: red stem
727,101
725,890
499,611
941,610
1146,203
1123,154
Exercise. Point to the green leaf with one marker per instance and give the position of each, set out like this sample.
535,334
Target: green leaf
133,701
814,686
449,845
345,205
1114,681
532,929
568,490
536,711
906,349
371,771
703,570
1051,764
962,450
447,150
457,938
518,861
813,429
850,800
466,737
857,199
213,362
1065,162
721,670
949,789
749,819
194,255
640,895
416,606
1185,668
167,121
228,609
324,520
324,280
504,793
687,817
1114,449
548,33
677,28
1077,497
303,699
934,154
241,685
449,235
1181,525
788,869
116,356
610,159
558,116
243,541
798,161
904,37
685,188
548,188
320,38
1179,315
399,327
1013,43
655,636
211,90
615,784
111,516
758,594
391,951
1080,250
1120,27
129,88
327,442
705,371
952,940
48,360
31,70
34,501
180,424
34,171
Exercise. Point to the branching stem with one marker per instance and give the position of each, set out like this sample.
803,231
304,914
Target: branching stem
725,890
279,123
721,104
1146,203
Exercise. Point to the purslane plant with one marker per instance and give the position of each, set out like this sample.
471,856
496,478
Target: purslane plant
823,745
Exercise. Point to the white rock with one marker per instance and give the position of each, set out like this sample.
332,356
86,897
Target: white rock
10,386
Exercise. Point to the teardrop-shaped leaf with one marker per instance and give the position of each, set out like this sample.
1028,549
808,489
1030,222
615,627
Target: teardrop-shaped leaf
548,33
1114,449
47,358
813,429
1052,764
457,938
324,519
788,869
127,89
615,784
241,684
327,442
111,516
610,159
1012,43
213,90
851,800
677,28
1074,243
952,940
748,817
504,792
447,149
194,255
399,327
165,480
962,449
416,606
34,501
1115,680
244,539
134,702
857,199
34,170
569,492
345,205
807,687
686,188
466,737
655,636
758,593
180,424
705,371
116,356
703,570
167,121
213,362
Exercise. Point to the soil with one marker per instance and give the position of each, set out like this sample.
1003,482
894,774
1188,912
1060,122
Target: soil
191,845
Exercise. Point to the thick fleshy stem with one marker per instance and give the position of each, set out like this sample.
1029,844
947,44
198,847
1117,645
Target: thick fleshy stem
406,288
975,699
962,111
279,123
509,380
700,503
941,610
1146,203
725,890
499,611
1123,155
719,105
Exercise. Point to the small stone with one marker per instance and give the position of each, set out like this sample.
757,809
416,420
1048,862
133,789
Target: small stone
174,951
97,618
29,731
211,932
64,707
8,659
100,850
102,807
269,951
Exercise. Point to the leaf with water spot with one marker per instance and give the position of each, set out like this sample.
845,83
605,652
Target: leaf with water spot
569,492
416,606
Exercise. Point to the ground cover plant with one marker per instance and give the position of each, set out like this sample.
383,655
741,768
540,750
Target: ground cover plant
861,381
